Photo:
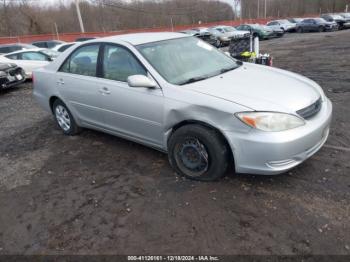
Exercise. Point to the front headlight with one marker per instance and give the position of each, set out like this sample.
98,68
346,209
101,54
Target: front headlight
224,38
270,121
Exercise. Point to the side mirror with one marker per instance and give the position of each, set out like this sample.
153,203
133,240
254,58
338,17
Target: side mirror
141,81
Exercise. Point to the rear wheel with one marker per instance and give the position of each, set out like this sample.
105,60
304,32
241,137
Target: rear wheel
300,30
64,118
198,153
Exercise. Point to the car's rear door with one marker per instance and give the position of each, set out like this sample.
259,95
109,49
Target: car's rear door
133,112
78,85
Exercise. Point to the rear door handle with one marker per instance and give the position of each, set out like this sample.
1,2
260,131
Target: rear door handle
104,91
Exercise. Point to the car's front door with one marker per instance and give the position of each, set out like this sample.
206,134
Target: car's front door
133,112
78,85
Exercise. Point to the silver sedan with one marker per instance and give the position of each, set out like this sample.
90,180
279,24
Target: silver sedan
179,95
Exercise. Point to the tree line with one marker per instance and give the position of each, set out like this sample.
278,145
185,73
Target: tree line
290,8
23,17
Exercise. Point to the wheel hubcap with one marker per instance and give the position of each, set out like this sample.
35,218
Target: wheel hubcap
192,157
62,117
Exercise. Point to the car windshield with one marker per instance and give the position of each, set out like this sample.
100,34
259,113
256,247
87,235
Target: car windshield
185,60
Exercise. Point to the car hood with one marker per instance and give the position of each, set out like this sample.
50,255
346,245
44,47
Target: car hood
261,88
5,66
237,33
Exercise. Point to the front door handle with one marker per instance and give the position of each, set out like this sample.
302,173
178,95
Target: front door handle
60,81
104,91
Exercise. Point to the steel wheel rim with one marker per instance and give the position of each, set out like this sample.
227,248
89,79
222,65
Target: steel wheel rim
192,157
63,117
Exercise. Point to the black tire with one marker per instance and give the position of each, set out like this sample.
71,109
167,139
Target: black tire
300,30
321,29
205,145
218,43
73,127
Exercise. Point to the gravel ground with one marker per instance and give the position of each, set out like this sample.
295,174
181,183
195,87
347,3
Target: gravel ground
98,194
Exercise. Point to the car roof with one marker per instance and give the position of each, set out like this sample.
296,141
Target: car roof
27,50
15,44
140,38
47,41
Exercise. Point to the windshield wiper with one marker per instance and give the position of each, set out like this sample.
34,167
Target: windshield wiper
193,79
224,70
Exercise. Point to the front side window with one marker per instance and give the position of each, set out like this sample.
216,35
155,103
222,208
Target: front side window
119,64
34,56
184,60
83,61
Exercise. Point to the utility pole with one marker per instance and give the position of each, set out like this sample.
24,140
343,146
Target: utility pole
79,16
56,30
265,10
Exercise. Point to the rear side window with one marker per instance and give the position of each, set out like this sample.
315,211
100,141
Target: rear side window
34,56
14,57
83,61
119,63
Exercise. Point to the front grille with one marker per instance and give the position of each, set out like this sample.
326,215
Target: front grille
311,110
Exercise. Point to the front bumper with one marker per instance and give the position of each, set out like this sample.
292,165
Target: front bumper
270,153
13,78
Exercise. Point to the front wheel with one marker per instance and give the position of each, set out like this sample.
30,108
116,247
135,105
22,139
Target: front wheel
198,153
64,118
321,29
300,30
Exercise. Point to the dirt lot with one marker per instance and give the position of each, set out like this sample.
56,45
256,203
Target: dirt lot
98,194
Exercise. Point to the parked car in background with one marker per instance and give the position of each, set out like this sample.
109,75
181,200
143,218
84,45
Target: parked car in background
204,108
47,44
205,35
277,32
10,75
316,25
29,59
190,32
222,39
263,32
346,16
62,47
284,24
232,32
9,48
296,20
83,39
341,21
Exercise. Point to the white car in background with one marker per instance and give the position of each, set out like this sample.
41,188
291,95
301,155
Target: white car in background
62,47
283,24
29,60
